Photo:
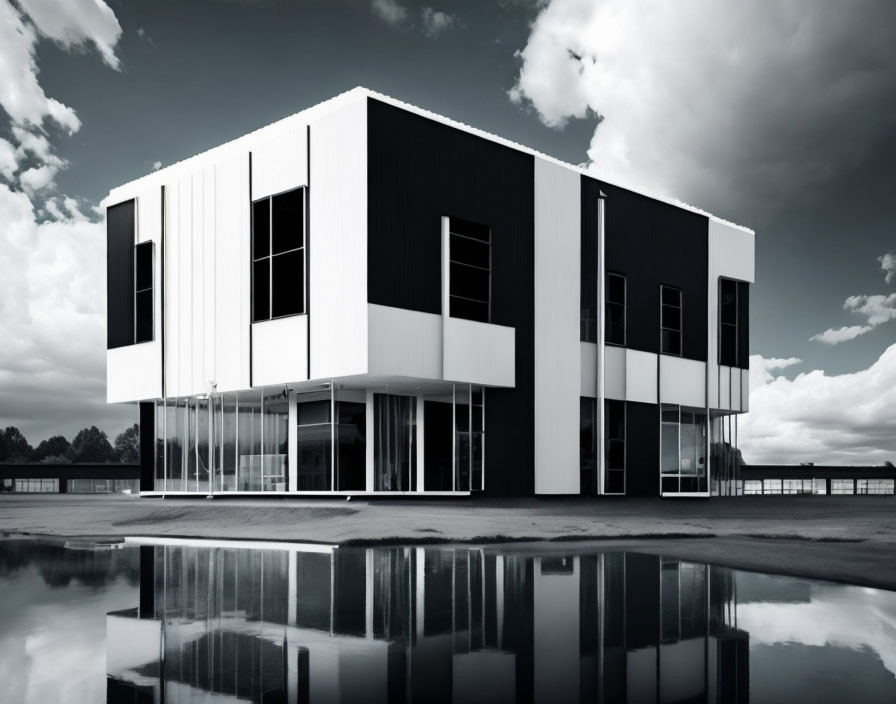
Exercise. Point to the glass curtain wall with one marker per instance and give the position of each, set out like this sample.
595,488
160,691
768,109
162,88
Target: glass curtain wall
395,440
724,456
223,444
314,445
588,445
469,428
683,450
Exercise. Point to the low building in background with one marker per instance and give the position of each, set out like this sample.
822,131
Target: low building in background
369,298
817,479
69,478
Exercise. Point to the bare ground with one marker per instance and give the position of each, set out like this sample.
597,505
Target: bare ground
848,539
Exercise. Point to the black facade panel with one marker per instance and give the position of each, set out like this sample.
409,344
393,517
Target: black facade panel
120,275
147,442
743,325
418,171
642,458
147,581
651,243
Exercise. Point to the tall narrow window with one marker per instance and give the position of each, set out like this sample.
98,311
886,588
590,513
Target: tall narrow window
143,304
470,266
670,320
394,443
587,445
733,314
615,309
614,428
278,256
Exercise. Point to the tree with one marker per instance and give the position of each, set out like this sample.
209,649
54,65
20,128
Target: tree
91,445
13,446
127,445
51,448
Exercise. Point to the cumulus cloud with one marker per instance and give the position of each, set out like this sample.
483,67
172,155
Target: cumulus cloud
75,23
435,22
52,320
390,11
156,165
816,417
876,309
38,178
9,163
21,96
888,266
683,92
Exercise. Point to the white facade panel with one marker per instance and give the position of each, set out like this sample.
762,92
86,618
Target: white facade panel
478,353
724,390
149,215
555,607
640,376
735,389
614,372
483,675
231,293
404,342
134,372
682,381
280,163
198,382
557,328
745,390
280,351
588,369
338,243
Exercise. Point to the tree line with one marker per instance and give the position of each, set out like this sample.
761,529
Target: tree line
89,445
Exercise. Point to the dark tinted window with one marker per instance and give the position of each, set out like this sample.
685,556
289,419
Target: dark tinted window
278,247
143,296
670,333
470,270
615,309
733,351
287,221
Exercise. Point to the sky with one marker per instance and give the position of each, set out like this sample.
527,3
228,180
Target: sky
780,116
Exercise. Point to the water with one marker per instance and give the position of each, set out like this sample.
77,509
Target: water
453,624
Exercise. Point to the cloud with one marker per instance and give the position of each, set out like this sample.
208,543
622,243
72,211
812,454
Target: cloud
816,417
38,178
156,165
52,321
683,93
435,22
390,11
888,266
20,93
75,23
877,309
8,161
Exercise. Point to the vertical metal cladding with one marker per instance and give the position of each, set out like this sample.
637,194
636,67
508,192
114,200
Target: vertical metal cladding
147,444
120,274
418,171
651,243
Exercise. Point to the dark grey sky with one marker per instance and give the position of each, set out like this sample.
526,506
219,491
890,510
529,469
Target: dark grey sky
195,74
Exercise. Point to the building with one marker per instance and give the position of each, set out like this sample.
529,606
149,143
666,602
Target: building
437,624
367,298
69,478
817,480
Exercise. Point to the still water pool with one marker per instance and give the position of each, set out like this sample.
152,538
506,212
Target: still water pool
174,623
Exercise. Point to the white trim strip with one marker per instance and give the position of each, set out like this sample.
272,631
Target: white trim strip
214,543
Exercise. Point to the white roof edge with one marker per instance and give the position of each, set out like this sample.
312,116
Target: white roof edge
360,91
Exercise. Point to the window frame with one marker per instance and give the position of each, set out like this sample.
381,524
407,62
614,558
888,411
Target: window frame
723,359
608,440
302,248
453,262
624,304
680,330
150,245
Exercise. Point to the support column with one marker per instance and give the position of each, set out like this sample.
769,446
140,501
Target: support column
147,444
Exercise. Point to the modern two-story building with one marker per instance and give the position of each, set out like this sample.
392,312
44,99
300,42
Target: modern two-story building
368,298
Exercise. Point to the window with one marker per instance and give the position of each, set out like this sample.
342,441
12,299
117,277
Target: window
842,486
470,263
469,445
614,427
874,486
615,309
278,256
670,320
143,304
682,450
752,487
587,445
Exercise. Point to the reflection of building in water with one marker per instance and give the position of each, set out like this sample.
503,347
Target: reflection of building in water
434,624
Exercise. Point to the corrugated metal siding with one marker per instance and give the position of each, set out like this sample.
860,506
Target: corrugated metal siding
418,171
652,243
120,275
